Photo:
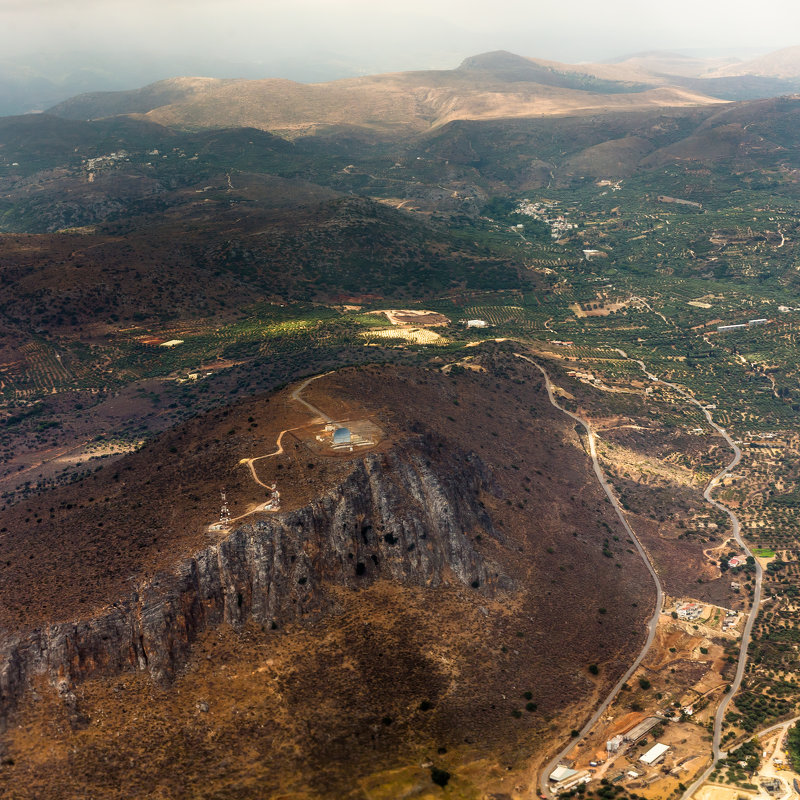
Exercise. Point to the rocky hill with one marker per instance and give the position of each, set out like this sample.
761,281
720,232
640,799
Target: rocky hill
402,608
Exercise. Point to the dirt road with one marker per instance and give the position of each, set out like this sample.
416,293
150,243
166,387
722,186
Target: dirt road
250,462
652,625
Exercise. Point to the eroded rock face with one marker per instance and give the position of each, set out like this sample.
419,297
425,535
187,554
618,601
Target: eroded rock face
410,516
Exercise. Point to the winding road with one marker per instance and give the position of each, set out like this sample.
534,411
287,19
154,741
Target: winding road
719,717
313,409
250,462
278,445
652,625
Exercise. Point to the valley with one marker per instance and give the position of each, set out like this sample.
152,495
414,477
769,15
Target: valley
561,526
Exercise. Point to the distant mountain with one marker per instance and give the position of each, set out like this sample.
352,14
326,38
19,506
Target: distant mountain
507,67
784,64
96,105
37,82
662,62
491,86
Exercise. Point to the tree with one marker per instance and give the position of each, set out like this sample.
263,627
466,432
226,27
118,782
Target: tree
440,776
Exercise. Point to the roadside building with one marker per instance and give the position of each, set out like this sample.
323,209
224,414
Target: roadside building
562,778
690,611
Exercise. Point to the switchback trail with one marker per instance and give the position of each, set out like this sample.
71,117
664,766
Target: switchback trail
250,462
652,625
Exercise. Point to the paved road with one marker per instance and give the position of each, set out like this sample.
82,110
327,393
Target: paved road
652,625
776,726
719,717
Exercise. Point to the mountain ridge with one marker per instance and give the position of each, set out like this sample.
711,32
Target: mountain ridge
488,86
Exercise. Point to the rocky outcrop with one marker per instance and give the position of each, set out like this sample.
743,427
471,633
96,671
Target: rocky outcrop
410,515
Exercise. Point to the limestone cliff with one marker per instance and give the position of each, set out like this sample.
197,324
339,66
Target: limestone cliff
410,515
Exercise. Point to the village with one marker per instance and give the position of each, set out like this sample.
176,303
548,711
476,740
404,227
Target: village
655,735
546,211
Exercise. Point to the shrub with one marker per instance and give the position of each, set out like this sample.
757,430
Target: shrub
440,776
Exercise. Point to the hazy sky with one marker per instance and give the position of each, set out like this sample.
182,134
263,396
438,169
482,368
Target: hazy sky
390,34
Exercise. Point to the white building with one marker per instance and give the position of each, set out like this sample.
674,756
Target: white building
654,754
563,778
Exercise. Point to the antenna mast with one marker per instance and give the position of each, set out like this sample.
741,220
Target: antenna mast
224,512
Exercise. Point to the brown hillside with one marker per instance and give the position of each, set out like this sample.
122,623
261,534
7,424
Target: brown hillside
385,674
209,251
412,101
783,63
712,144
490,86
618,158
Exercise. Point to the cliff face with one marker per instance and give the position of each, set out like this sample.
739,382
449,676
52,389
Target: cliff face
409,516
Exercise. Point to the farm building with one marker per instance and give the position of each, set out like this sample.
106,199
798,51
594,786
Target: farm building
654,754
477,323
736,561
613,745
639,730
561,772
563,778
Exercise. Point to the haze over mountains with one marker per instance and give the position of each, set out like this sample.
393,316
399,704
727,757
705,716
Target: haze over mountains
459,256
35,84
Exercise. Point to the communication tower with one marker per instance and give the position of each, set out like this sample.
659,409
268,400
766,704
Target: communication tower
224,512
274,502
